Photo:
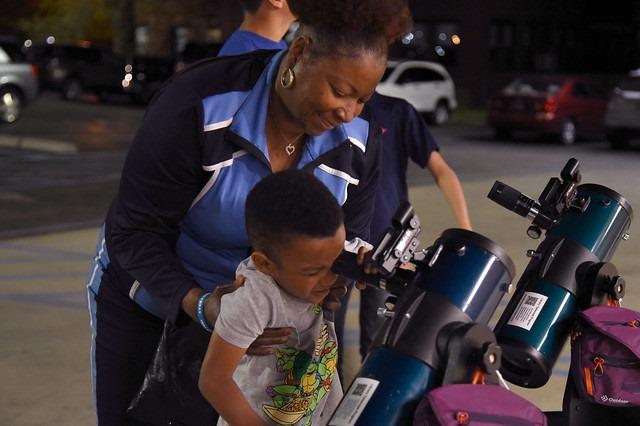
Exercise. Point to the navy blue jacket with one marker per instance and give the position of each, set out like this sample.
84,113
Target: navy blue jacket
178,219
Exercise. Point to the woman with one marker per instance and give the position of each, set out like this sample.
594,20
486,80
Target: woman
176,228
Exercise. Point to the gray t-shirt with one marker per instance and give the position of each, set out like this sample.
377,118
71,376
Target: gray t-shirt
296,385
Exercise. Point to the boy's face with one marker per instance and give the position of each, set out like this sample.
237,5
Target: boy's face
303,266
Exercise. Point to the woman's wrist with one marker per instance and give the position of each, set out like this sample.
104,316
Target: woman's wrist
190,302
200,312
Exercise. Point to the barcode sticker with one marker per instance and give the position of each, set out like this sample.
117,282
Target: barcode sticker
354,402
528,309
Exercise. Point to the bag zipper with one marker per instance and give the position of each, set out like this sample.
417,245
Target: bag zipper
468,417
635,323
615,362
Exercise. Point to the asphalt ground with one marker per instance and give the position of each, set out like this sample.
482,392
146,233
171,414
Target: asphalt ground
44,360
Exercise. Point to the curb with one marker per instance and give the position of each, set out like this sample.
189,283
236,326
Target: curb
37,144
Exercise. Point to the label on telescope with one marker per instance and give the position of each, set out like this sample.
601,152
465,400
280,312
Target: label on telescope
354,401
528,309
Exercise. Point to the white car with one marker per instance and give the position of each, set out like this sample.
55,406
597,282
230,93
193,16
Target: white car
18,80
425,85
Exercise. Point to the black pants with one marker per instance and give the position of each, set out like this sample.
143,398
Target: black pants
126,337
370,323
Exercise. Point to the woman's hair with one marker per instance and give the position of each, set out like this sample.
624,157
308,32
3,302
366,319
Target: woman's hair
353,24
289,203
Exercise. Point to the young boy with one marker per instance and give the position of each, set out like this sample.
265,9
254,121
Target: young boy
294,225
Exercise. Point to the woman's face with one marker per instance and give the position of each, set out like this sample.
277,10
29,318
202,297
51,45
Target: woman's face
331,89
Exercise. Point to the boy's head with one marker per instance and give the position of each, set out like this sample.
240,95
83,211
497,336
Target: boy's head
295,227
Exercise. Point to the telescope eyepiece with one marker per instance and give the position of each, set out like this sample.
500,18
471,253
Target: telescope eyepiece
514,200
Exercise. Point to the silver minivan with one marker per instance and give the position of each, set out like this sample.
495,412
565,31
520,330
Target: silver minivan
622,120
18,80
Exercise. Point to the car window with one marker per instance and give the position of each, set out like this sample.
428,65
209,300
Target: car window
533,87
588,91
12,52
387,72
630,84
4,58
419,75
85,54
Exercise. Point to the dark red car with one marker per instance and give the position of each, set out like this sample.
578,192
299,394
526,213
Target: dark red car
565,107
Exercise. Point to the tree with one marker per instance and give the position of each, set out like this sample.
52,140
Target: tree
71,21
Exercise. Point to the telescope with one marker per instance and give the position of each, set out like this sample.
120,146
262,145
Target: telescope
568,271
435,332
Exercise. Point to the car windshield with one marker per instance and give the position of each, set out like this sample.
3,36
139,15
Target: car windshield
12,52
631,84
387,72
533,87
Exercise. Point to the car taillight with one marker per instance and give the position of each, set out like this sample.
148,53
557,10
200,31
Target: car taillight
550,105
35,71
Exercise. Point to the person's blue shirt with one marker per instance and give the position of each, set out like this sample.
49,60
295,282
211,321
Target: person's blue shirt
242,41
404,135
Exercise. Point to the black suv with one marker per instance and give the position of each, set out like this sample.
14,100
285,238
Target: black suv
73,70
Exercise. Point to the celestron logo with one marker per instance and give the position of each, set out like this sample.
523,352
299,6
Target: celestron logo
605,398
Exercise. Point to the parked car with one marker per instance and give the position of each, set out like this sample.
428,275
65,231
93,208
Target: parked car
425,85
18,80
75,69
622,119
143,76
566,107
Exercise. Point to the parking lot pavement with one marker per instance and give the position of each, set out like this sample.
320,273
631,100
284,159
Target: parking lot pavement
44,357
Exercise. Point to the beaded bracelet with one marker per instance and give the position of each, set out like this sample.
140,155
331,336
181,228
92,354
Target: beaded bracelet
201,317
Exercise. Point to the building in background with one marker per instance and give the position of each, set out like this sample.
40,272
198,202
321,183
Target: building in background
485,44
482,44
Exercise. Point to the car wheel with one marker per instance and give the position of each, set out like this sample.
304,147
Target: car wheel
72,89
10,105
568,132
440,114
501,134
617,139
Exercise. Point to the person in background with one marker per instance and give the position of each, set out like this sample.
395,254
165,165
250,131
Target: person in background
405,136
295,227
264,26
175,231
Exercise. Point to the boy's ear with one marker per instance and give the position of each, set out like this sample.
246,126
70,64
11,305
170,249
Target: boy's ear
262,262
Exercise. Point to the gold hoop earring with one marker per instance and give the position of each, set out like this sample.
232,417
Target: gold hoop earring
287,79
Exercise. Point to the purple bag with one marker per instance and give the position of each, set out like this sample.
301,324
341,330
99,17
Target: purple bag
605,356
481,405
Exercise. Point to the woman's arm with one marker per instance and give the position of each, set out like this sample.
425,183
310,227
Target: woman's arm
161,177
449,184
218,387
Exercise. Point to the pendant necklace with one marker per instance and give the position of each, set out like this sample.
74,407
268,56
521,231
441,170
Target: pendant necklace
289,148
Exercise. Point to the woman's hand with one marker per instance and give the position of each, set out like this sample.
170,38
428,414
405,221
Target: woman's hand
264,344
212,304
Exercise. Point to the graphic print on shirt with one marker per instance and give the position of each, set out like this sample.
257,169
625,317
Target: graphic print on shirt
308,380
